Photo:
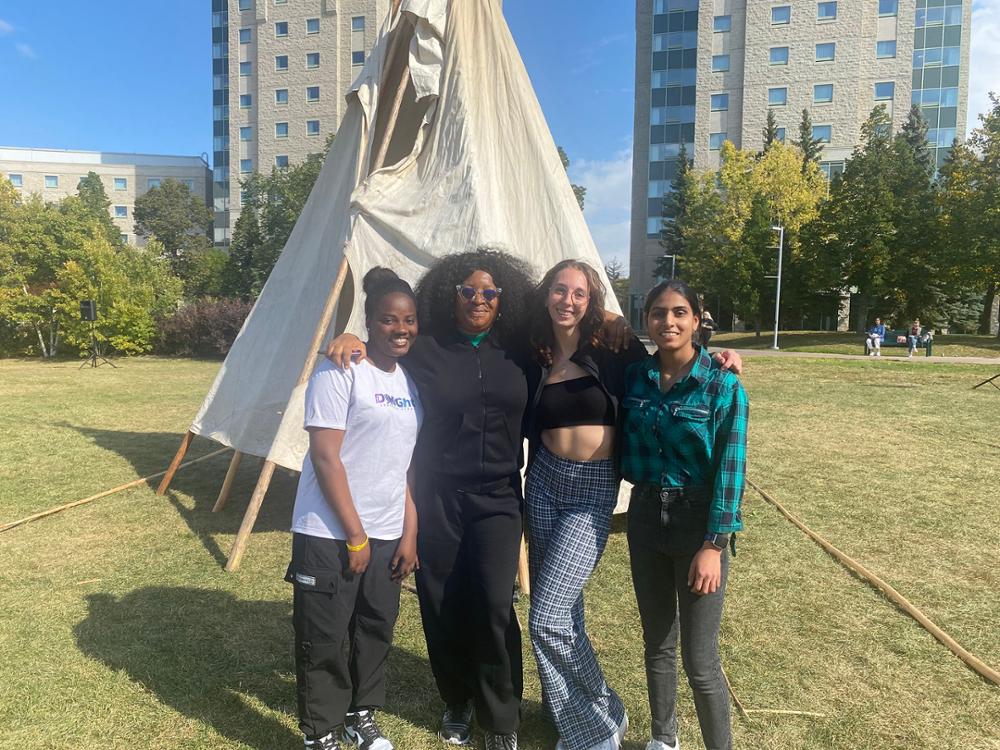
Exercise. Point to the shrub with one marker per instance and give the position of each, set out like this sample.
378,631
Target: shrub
206,328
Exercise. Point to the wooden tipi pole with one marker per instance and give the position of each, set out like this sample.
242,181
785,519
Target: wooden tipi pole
250,517
178,457
227,483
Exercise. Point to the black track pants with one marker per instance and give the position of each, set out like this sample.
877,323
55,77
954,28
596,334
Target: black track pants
468,544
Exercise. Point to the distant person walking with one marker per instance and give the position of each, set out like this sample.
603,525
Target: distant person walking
706,329
873,342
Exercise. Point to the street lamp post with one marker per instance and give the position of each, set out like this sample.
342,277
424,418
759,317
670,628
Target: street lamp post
777,295
673,263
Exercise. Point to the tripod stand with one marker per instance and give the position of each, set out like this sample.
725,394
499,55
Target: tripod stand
96,359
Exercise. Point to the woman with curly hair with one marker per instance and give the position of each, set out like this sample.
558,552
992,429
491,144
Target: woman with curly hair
468,364
576,383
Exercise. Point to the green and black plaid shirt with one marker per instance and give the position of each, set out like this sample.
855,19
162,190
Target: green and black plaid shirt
694,435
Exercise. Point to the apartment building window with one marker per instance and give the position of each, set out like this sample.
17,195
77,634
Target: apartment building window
832,168
358,57
826,11
312,25
885,49
720,102
715,141
121,212
246,133
123,238
246,166
312,127
822,93
720,63
16,180
826,52
281,62
281,130
152,182
246,35
281,96
245,69
246,101
312,94
779,56
281,28
884,91
777,97
822,133
888,7
246,4
188,183
280,2
121,183
312,60
779,134
51,180
358,23
281,161
722,23
781,14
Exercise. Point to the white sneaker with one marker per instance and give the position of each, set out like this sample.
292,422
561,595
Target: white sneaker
657,745
614,742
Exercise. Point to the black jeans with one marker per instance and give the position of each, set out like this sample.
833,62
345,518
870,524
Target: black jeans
664,533
343,629
468,545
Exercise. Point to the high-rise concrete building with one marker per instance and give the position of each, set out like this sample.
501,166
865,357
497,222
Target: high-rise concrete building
280,71
55,174
708,71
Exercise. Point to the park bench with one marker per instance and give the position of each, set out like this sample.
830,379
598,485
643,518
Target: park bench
901,339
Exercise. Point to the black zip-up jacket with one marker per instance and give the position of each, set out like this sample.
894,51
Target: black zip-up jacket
606,366
474,400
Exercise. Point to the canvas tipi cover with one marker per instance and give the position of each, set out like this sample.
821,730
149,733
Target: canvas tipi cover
470,162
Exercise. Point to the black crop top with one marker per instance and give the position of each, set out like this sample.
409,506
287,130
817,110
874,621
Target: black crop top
571,403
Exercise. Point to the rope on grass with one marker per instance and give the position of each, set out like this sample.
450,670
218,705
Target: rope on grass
99,495
974,662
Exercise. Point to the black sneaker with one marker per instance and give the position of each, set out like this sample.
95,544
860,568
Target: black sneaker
501,741
456,724
326,742
360,729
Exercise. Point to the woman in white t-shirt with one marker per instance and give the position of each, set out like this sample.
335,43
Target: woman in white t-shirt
354,525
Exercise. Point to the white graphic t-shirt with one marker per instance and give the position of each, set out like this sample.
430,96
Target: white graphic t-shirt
380,414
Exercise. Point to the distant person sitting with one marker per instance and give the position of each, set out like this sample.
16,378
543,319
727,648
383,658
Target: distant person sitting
706,329
874,339
914,337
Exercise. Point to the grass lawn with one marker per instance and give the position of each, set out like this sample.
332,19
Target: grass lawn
951,345
121,630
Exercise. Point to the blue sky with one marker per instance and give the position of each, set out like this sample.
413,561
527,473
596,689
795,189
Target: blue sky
580,56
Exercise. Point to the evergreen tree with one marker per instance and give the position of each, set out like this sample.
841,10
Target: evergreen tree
94,201
673,217
811,147
578,190
914,134
770,133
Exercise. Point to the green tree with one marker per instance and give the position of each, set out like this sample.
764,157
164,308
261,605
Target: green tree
811,147
672,222
178,219
578,190
770,133
619,283
95,203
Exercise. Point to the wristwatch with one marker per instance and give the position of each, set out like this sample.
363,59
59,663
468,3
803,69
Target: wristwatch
719,541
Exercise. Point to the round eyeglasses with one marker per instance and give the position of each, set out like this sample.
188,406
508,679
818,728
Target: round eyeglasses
468,293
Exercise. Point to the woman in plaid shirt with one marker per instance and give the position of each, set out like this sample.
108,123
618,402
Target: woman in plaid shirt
684,448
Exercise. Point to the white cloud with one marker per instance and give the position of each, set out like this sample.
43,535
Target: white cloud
5,28
984,53
26,51
608,204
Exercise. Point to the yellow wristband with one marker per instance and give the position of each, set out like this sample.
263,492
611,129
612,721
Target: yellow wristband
357,547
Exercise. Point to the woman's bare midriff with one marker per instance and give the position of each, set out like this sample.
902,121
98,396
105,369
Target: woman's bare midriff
589,442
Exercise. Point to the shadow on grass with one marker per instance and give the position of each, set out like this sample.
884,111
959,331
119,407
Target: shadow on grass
226,662
151,452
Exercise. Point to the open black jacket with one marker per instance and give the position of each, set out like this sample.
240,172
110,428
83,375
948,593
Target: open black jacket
606,366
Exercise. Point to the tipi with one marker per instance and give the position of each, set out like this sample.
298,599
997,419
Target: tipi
443,148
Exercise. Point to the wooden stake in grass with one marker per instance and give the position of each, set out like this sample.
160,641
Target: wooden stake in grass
227,483
970,659
178,457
